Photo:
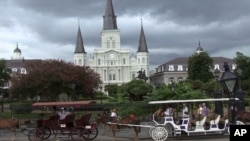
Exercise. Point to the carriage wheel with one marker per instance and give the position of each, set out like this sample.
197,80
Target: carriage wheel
150,131
35,135
78,134
159,134
92,133
170,129
46,132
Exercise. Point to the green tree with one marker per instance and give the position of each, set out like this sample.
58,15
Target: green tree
4,72
182,90
49,78
136,90
243,63
112,89
199,67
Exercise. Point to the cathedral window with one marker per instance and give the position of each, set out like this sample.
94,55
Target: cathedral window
139,60
113,44
111,76
124,61
99,61
143,60
108,44
80,62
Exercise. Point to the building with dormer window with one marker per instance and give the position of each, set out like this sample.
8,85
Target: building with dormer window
176,70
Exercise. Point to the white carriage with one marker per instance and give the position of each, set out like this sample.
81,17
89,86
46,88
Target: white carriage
187,126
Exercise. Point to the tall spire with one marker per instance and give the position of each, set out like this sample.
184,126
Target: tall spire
142,41
79,42
109,19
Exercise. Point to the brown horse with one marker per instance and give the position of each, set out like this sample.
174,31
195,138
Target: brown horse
103,119
12,124
243,116
120,123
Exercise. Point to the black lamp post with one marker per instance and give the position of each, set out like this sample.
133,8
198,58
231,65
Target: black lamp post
218,94
229,81
217,75
73,86
100,86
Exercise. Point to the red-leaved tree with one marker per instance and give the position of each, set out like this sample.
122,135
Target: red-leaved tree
50,78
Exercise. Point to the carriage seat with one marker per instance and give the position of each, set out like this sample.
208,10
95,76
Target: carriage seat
214,123
50,122
68,121
84,120
199,125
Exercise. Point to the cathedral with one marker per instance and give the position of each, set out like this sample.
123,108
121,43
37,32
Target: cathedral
116,65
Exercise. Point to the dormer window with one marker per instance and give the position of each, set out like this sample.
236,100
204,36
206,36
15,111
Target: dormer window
23,71
180,68
216,66
171,68
14,69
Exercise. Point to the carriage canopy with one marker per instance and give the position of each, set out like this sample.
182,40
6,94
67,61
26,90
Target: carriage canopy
64,103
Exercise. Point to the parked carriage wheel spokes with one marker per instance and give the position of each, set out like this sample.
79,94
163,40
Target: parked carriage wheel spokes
35,135
91,133
78,134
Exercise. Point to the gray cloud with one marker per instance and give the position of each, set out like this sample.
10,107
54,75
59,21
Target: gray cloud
173,28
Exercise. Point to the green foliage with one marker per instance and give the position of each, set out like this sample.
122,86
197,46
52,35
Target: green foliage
21,108
112,89
199,66
136,90
243,63
183,90
4,72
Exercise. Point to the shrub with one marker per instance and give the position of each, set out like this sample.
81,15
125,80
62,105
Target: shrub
24,108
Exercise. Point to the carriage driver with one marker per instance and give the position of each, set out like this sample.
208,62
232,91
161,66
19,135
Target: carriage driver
113,115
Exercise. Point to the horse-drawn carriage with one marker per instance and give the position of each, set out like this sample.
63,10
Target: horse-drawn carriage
75,128
211,123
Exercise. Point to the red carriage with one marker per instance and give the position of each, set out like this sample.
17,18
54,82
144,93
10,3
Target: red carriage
72,127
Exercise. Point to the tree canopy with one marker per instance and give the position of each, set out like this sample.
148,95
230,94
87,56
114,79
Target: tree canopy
136,90
4,72
243,63
50,78
199,67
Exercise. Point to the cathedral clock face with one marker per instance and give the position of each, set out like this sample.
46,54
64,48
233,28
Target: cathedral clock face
111,56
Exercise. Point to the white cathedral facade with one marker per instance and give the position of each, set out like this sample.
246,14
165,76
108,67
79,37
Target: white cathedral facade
116,65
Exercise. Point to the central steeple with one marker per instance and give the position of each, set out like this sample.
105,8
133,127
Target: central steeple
109,19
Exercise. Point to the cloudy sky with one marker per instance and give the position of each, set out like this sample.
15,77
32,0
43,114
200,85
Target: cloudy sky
47,29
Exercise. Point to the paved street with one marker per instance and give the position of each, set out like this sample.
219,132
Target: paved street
122,135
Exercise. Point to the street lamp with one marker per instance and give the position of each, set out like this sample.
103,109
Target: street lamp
217,75
100,86
240,93
73,86
229,81
218,94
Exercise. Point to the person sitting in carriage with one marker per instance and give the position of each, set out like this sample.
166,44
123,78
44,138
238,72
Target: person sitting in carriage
63,113
169,111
